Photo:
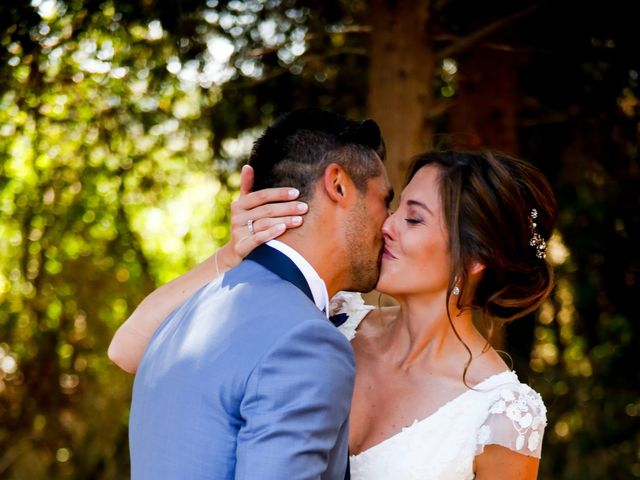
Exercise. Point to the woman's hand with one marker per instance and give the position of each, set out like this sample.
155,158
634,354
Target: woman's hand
270,220
272,211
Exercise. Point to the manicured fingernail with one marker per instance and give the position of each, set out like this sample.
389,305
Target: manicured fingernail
296,220
280,228
302,207
293,193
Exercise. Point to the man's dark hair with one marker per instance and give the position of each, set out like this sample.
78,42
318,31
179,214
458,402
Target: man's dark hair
297,148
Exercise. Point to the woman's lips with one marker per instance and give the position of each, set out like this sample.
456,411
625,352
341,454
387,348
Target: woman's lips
387,254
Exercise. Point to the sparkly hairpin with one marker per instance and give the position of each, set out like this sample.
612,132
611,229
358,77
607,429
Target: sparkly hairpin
536,239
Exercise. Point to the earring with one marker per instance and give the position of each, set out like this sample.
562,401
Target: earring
455,291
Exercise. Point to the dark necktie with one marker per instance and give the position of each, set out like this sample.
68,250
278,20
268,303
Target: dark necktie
338,319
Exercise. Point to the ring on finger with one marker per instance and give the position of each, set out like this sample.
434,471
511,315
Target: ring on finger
250,226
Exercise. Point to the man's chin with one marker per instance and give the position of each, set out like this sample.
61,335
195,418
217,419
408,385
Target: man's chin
365,275
364,285
361,287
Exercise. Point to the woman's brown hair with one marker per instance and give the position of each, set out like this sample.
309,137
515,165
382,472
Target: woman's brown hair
487,201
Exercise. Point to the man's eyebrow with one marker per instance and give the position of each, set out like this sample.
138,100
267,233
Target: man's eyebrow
416,203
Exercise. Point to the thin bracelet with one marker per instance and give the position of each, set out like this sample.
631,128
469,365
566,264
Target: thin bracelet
215,259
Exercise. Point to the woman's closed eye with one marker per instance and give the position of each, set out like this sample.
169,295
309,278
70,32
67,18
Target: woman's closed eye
414,220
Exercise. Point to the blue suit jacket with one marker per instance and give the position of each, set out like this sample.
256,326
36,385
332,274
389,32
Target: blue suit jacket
246,380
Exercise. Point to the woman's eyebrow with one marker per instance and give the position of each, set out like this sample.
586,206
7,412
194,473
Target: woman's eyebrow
416,203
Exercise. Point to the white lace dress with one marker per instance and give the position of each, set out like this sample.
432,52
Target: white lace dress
498,411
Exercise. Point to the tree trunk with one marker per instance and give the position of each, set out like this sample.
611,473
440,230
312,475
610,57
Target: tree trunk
401,70
401,80
485,113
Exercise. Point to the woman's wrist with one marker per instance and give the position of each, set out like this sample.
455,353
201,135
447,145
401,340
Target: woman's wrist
225,259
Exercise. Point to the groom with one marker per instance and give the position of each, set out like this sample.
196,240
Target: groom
249,379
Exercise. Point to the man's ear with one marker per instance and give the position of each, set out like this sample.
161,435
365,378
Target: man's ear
337,184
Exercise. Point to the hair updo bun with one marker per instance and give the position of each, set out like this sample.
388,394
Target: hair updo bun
487,201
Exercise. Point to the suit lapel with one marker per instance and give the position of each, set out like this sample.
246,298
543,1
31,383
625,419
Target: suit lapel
278,263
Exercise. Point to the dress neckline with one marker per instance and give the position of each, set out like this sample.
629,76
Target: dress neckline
417,422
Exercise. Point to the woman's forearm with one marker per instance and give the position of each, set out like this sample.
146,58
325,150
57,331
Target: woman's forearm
268,212
131,339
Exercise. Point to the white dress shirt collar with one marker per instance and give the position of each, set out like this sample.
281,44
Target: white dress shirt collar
316,284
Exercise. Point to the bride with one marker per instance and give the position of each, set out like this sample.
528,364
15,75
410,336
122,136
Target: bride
432,399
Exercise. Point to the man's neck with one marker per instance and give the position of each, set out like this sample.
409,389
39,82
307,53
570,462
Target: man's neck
316,254
315,282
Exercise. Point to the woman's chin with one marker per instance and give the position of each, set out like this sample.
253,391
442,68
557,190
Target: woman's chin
391,284
384,286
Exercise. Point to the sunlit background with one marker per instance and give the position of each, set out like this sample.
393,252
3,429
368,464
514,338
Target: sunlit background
122,128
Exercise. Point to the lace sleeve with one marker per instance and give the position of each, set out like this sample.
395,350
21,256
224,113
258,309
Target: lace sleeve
516,420
352,304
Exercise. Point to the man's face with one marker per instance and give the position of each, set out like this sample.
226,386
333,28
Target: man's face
364,233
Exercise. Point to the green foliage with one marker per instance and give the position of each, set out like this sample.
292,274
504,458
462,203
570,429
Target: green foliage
121,125
107,189
586,339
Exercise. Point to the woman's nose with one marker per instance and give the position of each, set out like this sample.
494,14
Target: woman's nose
388,227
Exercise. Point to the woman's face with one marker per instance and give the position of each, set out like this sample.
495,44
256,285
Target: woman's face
416,256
